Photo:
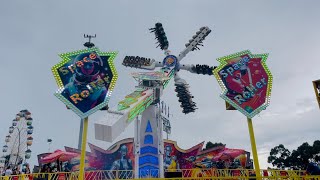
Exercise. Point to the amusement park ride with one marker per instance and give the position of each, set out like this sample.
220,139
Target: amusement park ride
86,79
18,141
143,105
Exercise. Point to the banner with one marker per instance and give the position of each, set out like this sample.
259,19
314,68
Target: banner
246,81
192,162
85,79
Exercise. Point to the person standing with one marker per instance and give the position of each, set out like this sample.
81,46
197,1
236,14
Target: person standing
8,171
26,169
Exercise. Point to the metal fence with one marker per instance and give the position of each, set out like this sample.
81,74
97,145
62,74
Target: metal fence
205,174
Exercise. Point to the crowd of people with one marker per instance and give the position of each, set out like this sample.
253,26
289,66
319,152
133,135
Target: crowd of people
15,170
55,167
45,168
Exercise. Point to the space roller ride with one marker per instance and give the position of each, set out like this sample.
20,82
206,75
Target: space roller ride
143,105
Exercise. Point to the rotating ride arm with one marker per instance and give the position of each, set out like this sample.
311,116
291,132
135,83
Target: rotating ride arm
141,62
161,37
184,95
192,45
198,69
196,41
182,88
147,63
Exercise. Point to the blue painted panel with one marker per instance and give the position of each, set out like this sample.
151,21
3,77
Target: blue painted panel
149,149
148,139
148,128
148,159
148,171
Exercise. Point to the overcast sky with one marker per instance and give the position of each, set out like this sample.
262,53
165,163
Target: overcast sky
33,33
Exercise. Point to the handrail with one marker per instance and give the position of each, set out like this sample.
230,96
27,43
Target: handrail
185,173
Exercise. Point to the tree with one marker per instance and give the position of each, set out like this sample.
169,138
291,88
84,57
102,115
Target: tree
210,145
281,157
301,157
316,149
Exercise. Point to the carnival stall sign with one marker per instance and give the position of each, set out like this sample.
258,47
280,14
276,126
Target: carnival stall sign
246,82
85,79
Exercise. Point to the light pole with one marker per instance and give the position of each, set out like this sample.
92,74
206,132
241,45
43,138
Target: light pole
49,141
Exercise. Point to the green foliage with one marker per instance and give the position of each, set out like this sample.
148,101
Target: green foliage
210,145
316,148
282,158
279,156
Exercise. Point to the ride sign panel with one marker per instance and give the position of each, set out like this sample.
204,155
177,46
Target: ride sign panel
86,79
246,81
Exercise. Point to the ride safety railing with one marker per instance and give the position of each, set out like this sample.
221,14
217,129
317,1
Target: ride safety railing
207,174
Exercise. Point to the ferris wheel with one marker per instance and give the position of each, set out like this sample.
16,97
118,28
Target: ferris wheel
17,143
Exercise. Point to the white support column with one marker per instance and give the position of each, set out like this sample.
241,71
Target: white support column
160,142
136,146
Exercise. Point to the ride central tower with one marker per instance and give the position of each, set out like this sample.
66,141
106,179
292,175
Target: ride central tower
148,138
